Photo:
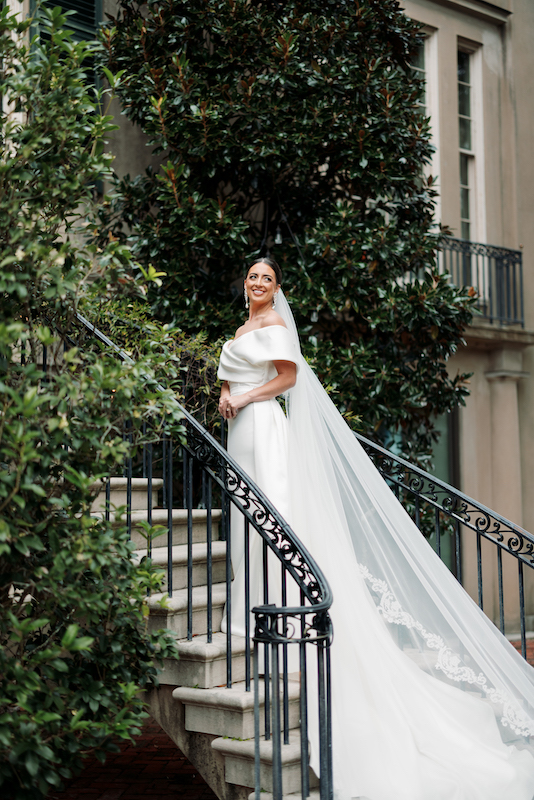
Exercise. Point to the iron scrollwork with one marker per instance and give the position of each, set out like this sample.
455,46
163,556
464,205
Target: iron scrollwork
249,499
451,502
276,626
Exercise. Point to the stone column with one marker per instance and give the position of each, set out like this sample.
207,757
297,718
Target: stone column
503,377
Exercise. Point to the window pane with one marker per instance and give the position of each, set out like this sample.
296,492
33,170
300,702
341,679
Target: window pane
465,133
421,106
466,235
464,170
464,100
464,203
85,16
463,67
418,60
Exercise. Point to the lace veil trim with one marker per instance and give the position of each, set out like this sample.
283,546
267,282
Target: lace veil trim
447,661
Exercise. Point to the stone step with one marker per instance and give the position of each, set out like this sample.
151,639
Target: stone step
199,517
171,612
315,794
239,763
119,489
160,516
230,712
202,664
199,554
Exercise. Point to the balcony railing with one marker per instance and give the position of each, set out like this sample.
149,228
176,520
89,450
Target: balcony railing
496,273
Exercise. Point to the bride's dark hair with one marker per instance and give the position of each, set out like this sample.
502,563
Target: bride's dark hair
270,263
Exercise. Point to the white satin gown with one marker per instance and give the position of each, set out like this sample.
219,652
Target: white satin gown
258,441
398,732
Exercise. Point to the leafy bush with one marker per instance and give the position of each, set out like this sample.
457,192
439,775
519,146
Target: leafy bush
297,129
130,324
75,651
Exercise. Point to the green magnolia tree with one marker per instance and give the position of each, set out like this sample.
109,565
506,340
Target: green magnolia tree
75,651
296,129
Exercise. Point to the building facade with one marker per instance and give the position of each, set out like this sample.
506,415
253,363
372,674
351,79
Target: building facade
477,61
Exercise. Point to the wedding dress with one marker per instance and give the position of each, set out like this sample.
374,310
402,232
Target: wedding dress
429,700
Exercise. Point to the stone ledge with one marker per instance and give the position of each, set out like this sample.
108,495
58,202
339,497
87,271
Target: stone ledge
490,12
171,612
239,763
199,649
315,794
488,337
202,664
505,375
245,749
179,555
120,482
230,712
234,699
160,604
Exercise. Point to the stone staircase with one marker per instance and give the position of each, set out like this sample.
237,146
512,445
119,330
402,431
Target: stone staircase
212,725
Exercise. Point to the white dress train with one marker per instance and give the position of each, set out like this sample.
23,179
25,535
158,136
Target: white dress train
429,701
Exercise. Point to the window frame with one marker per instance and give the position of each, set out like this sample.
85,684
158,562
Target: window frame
471,159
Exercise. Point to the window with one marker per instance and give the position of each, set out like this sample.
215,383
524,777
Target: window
446,458
466,137
84,22
419,67
425,65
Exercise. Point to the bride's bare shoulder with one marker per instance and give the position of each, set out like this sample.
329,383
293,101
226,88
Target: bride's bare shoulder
272,318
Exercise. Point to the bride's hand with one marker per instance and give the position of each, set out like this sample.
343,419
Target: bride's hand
229,406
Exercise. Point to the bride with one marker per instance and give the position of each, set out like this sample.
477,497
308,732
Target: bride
430,701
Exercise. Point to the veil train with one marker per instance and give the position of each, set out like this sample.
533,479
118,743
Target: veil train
416,665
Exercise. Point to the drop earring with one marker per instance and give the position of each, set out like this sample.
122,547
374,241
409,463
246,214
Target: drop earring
275,297
246,296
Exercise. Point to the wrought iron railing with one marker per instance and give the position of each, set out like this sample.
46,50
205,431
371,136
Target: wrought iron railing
453,522
496,273
187,471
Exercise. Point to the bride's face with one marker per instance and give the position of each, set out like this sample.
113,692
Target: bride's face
260,284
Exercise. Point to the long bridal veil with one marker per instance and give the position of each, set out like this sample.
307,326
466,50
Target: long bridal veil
407,637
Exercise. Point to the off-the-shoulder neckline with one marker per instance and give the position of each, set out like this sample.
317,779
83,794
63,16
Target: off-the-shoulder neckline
255,330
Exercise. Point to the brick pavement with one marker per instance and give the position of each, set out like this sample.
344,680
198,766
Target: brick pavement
151,768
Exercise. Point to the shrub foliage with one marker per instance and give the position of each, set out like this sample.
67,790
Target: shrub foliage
75,651
297,129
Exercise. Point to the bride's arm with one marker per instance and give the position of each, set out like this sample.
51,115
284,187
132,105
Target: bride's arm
287,375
